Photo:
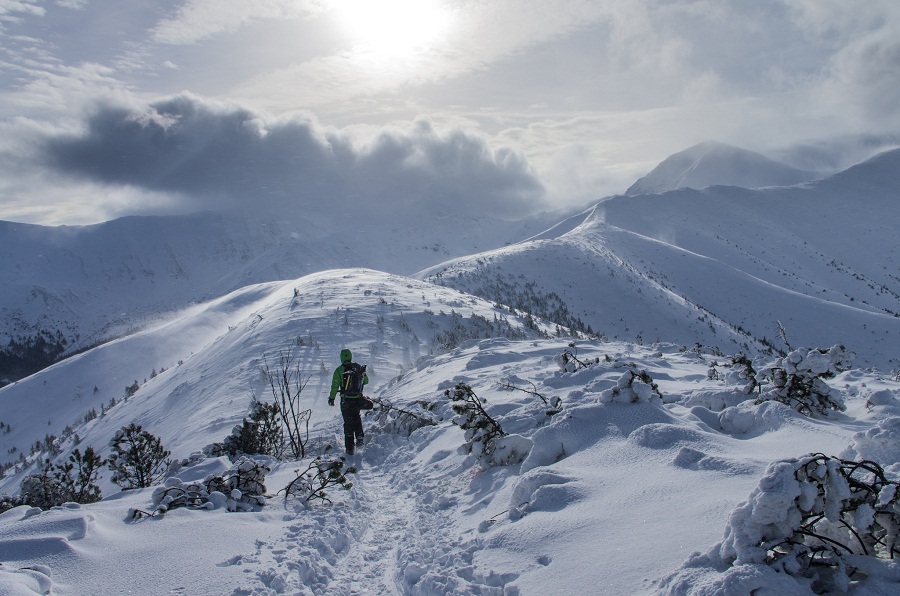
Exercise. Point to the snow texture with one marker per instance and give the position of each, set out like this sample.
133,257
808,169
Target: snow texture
637,473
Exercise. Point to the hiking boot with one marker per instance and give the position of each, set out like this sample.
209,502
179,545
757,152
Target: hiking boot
349,450
359,441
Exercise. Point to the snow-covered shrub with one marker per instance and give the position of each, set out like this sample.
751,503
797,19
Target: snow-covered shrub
880,443
319,477
175,493
741,371
8,502
821,519
244,484
539,489
481,429
634,386
138,458
242,488
509,450
568,361
74,481
259,433
885,397
798,380
403,421
41,490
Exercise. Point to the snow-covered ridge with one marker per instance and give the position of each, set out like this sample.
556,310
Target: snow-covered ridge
723,265
203,364
92,283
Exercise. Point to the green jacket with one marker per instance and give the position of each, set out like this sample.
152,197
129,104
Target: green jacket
346,356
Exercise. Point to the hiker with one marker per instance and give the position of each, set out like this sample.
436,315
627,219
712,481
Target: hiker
348,379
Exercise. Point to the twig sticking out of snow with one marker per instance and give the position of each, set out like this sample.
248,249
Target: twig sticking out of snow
401,420
555,404
320,476
481,429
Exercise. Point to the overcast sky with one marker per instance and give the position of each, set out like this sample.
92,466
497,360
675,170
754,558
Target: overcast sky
114,107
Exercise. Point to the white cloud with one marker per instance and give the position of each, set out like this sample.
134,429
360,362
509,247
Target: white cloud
13,9
199,19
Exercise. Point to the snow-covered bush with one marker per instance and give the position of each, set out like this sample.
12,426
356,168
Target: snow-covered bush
741,371
820,519
41,490
481,429
75,481
138,458
880,443
319,477
8,502
244,484
885,397
242,488
175,493
509,450
568,361
403,421
634,386
798,380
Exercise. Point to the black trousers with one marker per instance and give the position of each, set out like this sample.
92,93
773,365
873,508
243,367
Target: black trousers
353,428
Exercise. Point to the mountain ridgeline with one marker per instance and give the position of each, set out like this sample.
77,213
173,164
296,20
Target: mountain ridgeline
672,260
812,265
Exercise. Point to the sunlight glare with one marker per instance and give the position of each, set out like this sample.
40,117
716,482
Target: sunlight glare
395,28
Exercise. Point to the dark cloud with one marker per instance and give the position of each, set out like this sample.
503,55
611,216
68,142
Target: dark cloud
228,157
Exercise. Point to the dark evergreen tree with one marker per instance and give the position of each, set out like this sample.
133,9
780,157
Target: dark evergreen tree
260,432
138,458
78,476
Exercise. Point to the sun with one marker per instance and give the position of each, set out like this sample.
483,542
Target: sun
394,28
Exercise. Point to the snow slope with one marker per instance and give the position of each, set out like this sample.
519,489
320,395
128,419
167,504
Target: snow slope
717,164
604,497
722,266
92,283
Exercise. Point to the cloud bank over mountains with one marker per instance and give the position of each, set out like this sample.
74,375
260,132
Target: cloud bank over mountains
217,156
592,94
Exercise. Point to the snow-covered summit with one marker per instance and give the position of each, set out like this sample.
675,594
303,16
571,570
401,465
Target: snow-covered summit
713,163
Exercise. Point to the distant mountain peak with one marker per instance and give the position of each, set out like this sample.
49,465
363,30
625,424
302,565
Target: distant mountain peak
713,163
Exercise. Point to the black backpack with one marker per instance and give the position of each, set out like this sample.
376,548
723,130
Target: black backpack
352,379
